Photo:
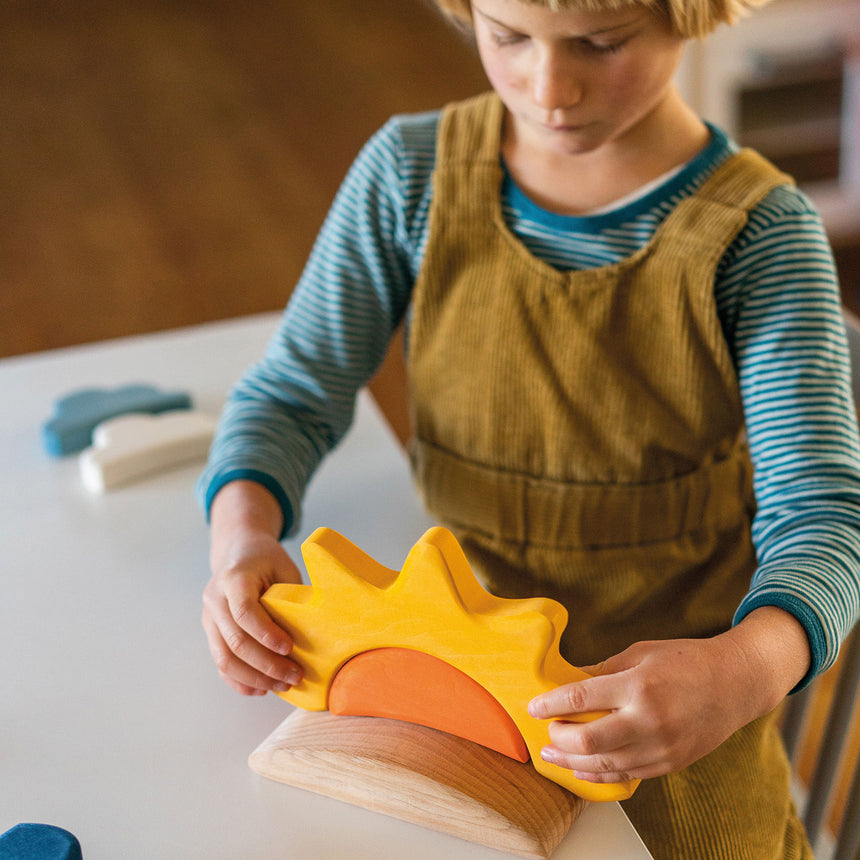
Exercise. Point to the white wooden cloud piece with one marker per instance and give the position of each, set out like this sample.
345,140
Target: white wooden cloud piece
131,447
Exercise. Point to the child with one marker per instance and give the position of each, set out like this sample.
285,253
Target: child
623,336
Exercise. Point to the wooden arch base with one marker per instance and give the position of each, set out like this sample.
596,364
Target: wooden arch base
421,775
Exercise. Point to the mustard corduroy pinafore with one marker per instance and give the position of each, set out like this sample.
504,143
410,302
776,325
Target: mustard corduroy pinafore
582,435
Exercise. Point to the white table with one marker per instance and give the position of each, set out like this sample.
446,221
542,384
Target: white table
113,722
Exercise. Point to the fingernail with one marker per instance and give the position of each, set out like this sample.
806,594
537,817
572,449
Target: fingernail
293,677
535,708
280,687
548,755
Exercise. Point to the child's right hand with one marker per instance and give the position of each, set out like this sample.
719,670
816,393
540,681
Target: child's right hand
248,647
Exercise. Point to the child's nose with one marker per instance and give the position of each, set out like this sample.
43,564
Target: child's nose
555,82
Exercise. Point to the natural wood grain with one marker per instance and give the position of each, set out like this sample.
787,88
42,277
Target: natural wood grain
420,775
812,738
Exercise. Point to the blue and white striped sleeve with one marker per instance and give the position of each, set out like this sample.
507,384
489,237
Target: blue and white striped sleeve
794,372
294,406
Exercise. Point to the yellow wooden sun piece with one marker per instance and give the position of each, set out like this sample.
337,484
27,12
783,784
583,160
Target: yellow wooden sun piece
435,605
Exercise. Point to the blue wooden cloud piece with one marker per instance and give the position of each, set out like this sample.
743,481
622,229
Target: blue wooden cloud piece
42,841
76,415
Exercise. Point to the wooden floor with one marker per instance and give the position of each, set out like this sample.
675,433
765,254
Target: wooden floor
167,162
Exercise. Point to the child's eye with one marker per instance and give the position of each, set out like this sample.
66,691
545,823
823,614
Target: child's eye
604,48
506,37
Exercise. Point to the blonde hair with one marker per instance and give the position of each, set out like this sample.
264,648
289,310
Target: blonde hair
692,19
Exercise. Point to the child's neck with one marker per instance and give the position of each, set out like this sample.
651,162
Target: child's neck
576,184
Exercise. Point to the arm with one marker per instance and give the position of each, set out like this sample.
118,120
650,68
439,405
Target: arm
795,378
293,407
673,702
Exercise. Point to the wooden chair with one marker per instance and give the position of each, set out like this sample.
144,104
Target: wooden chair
832,751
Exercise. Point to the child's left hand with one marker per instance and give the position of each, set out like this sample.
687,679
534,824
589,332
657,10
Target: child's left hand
672,702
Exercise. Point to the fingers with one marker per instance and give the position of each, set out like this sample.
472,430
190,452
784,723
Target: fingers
618,766
246,614
595,749
604,750
580,700
248,648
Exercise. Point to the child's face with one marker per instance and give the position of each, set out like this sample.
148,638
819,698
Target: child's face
573,80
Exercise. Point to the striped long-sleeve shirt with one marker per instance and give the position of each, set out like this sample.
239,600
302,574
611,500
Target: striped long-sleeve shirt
777,298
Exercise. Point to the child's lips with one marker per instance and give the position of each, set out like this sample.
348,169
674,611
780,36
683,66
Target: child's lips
563,128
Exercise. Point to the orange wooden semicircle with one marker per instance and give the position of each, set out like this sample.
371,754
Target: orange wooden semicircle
408,685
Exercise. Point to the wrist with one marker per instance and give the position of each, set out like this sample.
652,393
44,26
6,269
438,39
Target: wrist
775,651
244,507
